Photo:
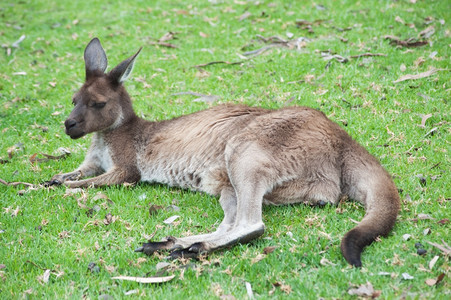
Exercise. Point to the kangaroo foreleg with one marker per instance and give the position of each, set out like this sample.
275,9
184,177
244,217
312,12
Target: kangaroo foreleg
112,177
87,169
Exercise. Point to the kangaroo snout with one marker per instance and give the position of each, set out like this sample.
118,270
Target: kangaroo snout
72,129
70,123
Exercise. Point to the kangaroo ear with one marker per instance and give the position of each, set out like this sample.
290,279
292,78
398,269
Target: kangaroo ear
123,70
95,58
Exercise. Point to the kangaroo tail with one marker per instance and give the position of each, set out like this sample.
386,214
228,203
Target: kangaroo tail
367,182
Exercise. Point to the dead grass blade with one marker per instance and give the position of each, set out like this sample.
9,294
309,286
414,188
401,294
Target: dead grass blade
445,248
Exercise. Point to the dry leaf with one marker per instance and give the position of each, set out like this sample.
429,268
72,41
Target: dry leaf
424,217
427,32
131,292
162,265
431,282
244,16
283,287
100,195
217,289
402,67
365,290
443,221
407,276
406,237
424,119
15,212
326,262
249,291
258,258
399,20
145,279
417,76
110,269
46,276
433,261
64,234
269,249
29,291
154,208
167,37
419,61
170,220
109,218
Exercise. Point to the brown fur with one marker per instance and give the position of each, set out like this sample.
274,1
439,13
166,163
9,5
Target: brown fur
245,155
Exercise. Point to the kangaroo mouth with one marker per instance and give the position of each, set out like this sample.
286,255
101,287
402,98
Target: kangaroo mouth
75,134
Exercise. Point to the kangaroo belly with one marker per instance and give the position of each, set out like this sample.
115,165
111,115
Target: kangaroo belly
192,173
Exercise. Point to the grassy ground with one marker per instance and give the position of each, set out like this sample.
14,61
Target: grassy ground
404,124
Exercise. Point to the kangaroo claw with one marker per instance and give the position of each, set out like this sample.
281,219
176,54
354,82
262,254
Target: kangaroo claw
151,247
193,251
52,182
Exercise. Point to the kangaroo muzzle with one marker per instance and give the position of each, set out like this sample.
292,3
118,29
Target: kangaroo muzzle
72,129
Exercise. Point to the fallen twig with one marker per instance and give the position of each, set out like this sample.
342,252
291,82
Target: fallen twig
419,75
411,42
367,54
16,183
272,39
258,51
217,62
48,157
168,45
36,265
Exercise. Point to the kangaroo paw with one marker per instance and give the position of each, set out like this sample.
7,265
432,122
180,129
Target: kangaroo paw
193,251
151,247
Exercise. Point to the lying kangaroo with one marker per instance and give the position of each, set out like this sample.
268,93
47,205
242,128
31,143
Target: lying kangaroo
246,155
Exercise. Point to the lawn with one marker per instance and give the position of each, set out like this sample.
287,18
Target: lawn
380,69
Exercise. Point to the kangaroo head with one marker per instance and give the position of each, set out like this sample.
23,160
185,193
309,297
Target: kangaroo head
102,103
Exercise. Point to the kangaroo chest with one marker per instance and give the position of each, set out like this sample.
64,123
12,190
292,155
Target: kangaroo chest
100,153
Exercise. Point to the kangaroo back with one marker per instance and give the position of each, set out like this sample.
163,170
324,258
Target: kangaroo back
366,181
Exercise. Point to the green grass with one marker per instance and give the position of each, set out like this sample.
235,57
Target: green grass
51,231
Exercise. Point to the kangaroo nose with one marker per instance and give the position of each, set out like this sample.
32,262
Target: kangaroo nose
70,123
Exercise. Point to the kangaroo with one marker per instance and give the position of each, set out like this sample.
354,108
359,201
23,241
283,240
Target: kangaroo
248,156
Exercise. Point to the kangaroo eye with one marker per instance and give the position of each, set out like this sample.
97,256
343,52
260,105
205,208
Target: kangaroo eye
99,104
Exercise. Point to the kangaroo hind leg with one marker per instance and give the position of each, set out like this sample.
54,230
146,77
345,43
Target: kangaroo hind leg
250,175
228,204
